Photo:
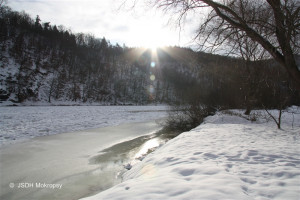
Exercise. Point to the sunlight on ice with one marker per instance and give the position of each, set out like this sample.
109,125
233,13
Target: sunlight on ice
147,146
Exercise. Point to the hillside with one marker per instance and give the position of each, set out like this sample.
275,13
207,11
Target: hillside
44,64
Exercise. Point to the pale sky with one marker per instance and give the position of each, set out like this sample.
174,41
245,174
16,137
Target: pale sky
140,26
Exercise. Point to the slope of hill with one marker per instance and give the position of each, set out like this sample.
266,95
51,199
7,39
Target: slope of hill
44,64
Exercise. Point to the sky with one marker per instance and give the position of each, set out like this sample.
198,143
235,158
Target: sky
141,26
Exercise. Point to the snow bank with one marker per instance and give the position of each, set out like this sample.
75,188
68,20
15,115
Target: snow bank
227,157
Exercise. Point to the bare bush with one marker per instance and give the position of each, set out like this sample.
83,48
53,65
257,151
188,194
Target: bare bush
188,116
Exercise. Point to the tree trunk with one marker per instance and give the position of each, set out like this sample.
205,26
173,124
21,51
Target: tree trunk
283,37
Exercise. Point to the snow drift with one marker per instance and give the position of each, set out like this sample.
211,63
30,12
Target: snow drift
227,157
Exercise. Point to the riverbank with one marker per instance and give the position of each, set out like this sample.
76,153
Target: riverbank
68,160
226,157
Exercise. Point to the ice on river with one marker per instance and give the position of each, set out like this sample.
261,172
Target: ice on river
21,123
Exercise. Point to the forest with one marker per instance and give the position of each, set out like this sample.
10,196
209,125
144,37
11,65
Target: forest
41,62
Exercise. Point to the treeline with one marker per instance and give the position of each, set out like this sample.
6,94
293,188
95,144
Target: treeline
226,83
51,63
44,62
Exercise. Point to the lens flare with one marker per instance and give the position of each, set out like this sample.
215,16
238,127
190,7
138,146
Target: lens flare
152,64
151,89
149,171
152,77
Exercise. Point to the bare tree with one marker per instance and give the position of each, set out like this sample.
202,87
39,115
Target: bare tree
273,25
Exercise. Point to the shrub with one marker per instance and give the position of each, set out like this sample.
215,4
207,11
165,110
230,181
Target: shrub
186,117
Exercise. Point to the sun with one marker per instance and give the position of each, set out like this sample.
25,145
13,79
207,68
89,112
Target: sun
153,41
153,49
151,35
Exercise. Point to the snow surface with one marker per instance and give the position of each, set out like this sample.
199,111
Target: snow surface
21,123
227,157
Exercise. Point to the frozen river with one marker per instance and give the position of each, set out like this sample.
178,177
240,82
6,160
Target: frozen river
73,164
22,123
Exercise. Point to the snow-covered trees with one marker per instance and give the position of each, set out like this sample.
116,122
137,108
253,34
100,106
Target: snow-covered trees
53,64
43,62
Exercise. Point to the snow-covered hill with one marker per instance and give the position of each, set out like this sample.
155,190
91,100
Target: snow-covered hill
227,157
41,63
